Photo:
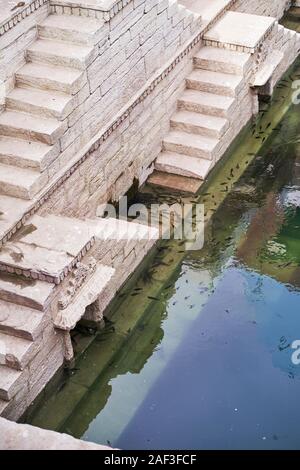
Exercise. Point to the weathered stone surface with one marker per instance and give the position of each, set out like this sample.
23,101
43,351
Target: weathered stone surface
194,145
16,352
49,77
20,321
222,60
41,102
72,28
266,71
185,166
206,103
67,319
240,29
118,229
11,381
198,123
27,292
61,53
214,82
26,126
20,182
24,437
11,210
43,252
30,258
176,182
26,154
207,10
63,234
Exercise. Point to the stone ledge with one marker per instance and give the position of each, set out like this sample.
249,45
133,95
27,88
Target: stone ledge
229,32
13,18
25,437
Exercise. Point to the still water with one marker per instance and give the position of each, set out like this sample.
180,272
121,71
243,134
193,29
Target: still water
197,351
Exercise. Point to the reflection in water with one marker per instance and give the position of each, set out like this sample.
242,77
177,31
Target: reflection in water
197,351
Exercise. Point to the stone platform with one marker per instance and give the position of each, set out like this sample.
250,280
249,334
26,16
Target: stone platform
239,30
208,10
24,437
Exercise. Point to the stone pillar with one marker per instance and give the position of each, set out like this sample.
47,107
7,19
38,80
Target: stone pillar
68,347
94,313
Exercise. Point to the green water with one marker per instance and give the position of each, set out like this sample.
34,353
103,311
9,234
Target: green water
196,352
291,19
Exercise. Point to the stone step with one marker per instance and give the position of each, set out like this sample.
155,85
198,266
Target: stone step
214,82
184,165
16,352
12,211
239,31
174,182
193,145
49,77
206,103
208,9
27,154
11,382
73,234
111,230
21,182
198,123
34,261
222,60
40,102
60,53
41,251
30,293
76,29
27,126
20,321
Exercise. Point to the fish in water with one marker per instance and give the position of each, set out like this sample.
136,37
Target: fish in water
153,298
122,295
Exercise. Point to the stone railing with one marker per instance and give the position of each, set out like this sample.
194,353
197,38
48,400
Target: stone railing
106,9
16,17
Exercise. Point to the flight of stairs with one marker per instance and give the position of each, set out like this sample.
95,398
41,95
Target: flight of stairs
200,126
46,92
54,261
26,336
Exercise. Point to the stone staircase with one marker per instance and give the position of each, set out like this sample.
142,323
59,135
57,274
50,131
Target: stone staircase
25,334
201,123
37,109
49,279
